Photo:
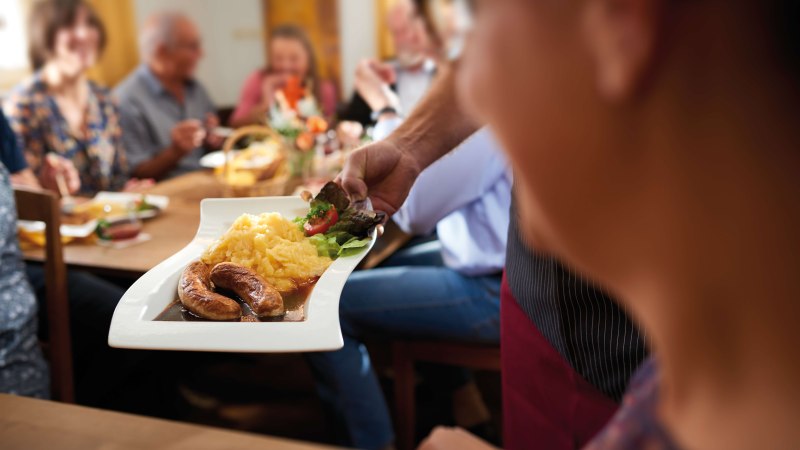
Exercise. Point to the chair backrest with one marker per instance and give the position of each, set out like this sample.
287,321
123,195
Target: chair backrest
407,353
44,206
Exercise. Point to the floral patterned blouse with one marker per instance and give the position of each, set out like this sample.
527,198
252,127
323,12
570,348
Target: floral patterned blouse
41,129
635,425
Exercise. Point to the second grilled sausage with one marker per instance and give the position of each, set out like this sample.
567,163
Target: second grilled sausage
262,297
194,291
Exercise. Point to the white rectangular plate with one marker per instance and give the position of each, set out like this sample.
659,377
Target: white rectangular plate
160,201
133,327
85,229
75,231
214,159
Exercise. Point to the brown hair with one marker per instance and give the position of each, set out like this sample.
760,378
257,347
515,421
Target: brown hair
50,16
296,33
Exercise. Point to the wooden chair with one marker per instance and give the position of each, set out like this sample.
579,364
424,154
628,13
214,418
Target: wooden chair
406,354
44,206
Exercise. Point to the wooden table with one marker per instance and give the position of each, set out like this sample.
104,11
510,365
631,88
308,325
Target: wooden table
170,231
27,423
175,228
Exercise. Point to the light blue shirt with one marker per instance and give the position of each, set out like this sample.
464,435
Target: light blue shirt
148,113
466,197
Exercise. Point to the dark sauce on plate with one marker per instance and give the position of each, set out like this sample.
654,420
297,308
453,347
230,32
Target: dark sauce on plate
295,303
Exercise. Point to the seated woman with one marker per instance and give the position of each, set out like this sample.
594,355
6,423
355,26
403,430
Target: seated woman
290,55
65,123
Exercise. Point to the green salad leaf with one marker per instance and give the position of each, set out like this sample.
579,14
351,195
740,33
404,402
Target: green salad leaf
318,209
354,246
326,246
336,244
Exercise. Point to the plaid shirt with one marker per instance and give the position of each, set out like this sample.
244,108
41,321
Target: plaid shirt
40,129
636,424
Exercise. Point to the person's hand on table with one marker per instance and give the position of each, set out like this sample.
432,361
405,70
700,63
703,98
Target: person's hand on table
137,185
25,178
213,140
381,171
372,82
53,167
453,438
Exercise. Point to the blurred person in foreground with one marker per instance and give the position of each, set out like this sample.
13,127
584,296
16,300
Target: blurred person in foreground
23,370
291,58
393,88
686,165
102,375
167,117
67,125
568,350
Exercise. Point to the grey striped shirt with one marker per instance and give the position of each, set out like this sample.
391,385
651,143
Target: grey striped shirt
580,320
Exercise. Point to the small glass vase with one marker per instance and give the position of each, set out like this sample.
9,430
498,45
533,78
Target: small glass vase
301,162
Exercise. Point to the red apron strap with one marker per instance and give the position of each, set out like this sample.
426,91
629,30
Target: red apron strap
546,404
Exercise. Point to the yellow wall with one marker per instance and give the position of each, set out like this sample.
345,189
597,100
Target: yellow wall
385,43
122,53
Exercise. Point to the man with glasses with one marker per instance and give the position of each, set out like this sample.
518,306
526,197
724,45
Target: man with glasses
165,114
567,349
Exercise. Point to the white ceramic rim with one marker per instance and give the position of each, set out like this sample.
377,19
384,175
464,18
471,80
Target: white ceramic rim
132,325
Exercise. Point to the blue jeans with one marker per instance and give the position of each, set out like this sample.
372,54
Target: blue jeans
419,298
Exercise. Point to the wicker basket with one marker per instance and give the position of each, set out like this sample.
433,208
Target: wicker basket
268,180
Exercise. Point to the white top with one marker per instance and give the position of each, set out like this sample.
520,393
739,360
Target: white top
411,86
466,197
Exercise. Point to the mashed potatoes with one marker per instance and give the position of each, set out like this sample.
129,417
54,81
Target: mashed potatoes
272,246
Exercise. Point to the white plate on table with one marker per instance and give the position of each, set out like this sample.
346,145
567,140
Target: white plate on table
85,229
133,326
214,159
159,201
74,231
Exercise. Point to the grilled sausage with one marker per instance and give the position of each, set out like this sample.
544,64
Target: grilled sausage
265,300
194,291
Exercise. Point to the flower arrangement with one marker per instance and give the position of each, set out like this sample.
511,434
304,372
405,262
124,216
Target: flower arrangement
296,117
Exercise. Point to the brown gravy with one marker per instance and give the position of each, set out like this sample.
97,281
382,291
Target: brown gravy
295,301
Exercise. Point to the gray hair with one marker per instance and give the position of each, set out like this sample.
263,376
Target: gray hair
158,31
